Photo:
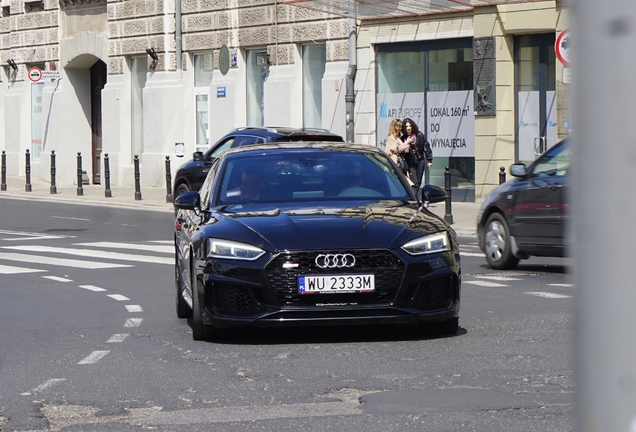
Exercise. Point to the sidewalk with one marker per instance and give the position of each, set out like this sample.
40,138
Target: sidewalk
154,198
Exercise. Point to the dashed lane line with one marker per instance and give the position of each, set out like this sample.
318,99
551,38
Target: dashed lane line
134,308
92,288
94,357
133,322
45,385
94,254
118,297
497,278
564,285
471,254
57,279
117,338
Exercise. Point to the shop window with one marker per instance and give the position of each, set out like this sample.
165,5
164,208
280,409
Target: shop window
203,66
138,75
256,75
401,72
314,59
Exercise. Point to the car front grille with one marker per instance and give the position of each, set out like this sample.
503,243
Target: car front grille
230,299
436,293
386,266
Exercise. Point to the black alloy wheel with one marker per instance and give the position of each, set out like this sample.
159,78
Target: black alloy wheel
200,331
181,189
497,244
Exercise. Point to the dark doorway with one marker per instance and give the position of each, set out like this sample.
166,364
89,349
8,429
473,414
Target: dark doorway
98,81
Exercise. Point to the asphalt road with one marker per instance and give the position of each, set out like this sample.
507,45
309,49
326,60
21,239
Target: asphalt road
90,341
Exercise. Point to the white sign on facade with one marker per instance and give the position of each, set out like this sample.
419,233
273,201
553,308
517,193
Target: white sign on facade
399,106
450,126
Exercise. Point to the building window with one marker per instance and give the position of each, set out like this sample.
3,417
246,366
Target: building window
256,75
203,65
139,72
314,59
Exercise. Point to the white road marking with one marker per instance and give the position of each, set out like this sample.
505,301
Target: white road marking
548,295
483,283
471,254
94,254
133,322
37,259
497,278
134,308
118,297
143,247
168,242
57,278
43,386
117,338
92,288
17,270
94,357
562,285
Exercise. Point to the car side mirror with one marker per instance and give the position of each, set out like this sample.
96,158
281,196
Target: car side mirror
188,201
433,194
197,156
518,170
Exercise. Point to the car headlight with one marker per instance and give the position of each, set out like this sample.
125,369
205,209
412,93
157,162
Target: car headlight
430,244
218,248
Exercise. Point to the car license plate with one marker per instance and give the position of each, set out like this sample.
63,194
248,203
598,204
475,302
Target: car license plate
334,284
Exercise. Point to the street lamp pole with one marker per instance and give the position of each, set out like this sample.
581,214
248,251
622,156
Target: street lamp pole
602,209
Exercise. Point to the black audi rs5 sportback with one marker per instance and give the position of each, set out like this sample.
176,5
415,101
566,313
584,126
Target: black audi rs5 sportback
298,234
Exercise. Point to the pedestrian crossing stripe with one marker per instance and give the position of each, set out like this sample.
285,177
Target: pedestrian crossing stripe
89,253
17,270
62,262
135,246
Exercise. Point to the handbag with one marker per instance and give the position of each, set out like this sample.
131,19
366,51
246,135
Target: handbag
401,163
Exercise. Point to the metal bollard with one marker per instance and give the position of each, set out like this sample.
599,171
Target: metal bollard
448,217
80,188
137,187
107,191
169,197
27,186
502,175
3,186
53,186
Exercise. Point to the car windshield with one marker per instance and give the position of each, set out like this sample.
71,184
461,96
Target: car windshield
309,175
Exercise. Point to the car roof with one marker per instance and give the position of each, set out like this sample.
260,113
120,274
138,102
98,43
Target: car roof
288,132
303,145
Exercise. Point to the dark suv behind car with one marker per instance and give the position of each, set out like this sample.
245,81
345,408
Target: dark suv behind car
191,175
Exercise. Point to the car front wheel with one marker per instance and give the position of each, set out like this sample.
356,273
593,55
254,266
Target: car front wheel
497,244
181,189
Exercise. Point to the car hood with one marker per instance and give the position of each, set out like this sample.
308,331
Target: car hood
378,225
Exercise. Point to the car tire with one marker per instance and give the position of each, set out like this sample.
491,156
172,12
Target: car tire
181,189
183,310
497,244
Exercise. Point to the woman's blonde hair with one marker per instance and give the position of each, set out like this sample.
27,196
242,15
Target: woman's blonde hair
395,128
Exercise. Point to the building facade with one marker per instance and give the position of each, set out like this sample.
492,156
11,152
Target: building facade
156,78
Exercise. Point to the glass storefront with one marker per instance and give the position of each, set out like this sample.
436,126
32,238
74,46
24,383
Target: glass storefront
432,84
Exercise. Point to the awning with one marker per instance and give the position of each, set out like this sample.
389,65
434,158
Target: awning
381,9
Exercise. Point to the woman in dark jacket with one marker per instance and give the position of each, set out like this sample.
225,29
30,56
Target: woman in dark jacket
420,156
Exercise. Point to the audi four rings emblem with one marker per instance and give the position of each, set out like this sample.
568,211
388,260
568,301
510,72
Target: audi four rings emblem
335,260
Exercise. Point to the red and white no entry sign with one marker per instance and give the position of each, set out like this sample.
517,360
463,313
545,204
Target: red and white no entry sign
562,47
35,74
